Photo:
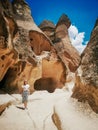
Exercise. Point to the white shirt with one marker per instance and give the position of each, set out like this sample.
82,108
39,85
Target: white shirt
26,87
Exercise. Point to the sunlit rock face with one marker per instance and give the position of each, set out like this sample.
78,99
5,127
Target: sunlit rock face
22,42
86,86
16,57
8,30
39,42
55,69
16,75
51,77
62,44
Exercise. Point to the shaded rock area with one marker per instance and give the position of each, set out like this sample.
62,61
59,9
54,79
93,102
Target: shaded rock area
86,85
48,84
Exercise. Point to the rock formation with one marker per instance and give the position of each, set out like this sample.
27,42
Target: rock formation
86,85
8,30
48,28
31,52
61,42
16,56
39,42
48,84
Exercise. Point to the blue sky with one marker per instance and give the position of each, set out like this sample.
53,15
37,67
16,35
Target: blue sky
82,13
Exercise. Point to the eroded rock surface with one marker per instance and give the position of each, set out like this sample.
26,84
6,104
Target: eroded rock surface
86,86
61,42
39,42
16,56
48,28
22,44
68,54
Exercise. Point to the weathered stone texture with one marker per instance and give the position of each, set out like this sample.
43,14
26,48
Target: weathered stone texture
22,42
86,86
61,42
39,42
48,28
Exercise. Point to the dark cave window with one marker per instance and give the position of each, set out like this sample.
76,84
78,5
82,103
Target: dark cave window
3,65
3,57
20,56
31,39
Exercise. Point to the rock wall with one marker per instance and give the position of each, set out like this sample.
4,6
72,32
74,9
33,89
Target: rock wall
61,42
23,48
16,57
86,86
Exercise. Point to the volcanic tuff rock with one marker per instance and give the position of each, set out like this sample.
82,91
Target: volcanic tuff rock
15,52
61,42
20,43
46,24
64,20
86,86
48,28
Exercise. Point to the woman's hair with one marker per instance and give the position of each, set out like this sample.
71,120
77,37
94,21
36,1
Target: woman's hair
25,82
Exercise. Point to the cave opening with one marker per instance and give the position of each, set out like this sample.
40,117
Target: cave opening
2,83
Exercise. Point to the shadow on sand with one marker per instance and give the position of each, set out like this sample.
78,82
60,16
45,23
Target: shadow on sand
22,108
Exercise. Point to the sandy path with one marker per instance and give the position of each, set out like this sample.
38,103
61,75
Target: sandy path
71,115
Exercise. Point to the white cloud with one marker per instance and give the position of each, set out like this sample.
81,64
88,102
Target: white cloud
73,31
77,38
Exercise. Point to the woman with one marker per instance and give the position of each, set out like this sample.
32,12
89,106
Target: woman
25,93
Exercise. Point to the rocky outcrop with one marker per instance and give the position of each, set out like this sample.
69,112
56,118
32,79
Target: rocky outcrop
33,53
63,46
48,28
86,86
39,42
16,57
61,42
20,43
50,67
63,56
51,77
8,30
64,20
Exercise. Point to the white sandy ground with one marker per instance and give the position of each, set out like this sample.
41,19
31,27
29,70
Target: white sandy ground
73,115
